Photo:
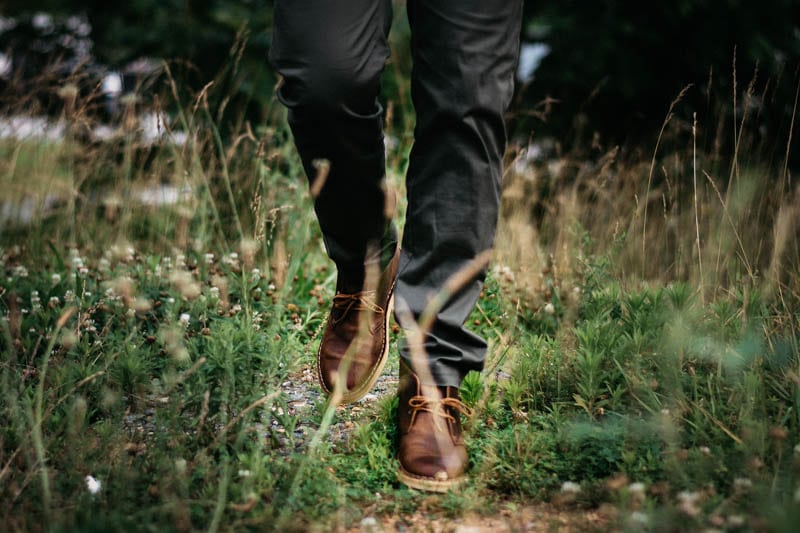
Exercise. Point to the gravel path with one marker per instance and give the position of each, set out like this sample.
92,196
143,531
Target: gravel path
303,395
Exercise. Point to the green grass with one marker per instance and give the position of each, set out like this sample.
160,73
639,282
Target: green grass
147,347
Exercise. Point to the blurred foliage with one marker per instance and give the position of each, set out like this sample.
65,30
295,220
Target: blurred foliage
613,67
616,65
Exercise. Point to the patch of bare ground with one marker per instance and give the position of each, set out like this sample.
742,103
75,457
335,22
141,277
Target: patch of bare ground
540,517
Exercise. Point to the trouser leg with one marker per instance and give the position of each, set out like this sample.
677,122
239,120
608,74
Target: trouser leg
464,54
331,54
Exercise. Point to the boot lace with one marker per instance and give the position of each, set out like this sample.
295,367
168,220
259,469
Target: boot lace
439,409
359,301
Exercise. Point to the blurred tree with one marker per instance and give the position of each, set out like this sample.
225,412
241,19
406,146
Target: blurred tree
616,65
613,66
222,40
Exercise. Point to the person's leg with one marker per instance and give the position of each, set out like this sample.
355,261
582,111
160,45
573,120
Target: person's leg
465,53
331,54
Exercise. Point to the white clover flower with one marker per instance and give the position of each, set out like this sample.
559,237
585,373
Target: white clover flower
54,300
570,487
83,271
184,318
93,485
20,271
637,489
214,291
244,473
549,308
688,502
170,300
742,484
56,279
736,520
69,296
639,518
256,273
209,257
797,449
180,465
705,450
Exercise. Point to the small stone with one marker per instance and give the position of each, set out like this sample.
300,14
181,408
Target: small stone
370,524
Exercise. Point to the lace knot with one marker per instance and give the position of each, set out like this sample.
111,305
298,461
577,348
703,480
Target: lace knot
359,301
438,408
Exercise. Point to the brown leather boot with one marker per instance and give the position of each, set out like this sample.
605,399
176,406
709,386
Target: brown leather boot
431,449
341,346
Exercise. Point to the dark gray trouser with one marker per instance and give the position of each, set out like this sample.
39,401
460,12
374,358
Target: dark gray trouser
331,54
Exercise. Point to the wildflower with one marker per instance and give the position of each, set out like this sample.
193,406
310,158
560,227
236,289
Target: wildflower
637,490
184,318
549,308
736,520
20,271
570,487
639,518
742,484
141,305
688,503
180,465
69,339
705,450
186,285
104,264
209,258
170,300
93,484
256,273
53,301
249,249
244,473
214,291
36,302
69,296
56,279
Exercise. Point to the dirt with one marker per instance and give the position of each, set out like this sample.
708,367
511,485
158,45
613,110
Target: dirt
304,393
